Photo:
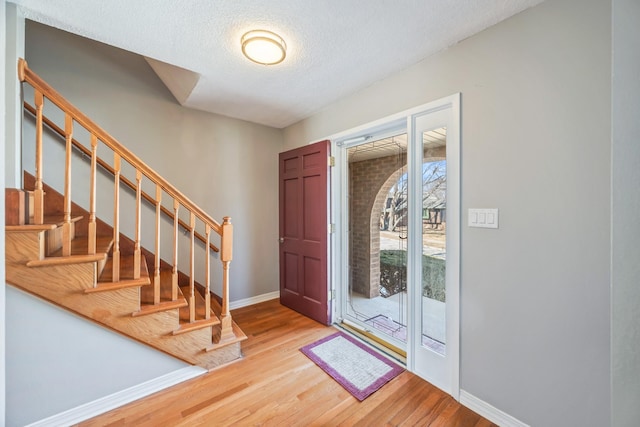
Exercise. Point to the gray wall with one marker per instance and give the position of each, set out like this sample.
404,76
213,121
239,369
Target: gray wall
226,166
535,144
625,339
3,48
91,363
14,32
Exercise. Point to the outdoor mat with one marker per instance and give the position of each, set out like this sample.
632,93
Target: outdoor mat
356,367
399,331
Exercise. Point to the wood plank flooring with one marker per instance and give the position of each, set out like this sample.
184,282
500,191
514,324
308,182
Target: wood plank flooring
276,385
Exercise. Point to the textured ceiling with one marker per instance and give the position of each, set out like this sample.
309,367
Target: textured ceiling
334,47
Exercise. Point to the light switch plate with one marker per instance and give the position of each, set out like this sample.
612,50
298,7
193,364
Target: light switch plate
483,218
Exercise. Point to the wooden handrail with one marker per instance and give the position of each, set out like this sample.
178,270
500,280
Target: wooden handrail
26,74
104,165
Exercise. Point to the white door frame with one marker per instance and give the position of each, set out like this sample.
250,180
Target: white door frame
449,380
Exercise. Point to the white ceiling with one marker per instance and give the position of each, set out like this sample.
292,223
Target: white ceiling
334,47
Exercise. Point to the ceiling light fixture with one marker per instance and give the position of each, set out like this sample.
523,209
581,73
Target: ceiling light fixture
264,47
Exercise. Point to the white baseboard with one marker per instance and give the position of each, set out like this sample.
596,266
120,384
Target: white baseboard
115,400
491,413
253,300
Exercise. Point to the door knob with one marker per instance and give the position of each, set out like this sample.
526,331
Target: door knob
281,240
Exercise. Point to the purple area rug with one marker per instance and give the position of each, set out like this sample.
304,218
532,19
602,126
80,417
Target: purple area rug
356,367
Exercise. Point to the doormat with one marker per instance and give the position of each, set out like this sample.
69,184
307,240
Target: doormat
356,367
399,331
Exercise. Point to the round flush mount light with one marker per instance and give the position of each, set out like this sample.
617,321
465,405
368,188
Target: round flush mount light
264,47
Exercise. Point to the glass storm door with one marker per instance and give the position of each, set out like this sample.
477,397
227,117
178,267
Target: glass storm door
377,238
396,256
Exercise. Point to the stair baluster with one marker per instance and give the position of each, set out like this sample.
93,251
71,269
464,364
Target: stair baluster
207,272
136,247
192,270
66,227
91,231
116,218
38,194
156,268
174,273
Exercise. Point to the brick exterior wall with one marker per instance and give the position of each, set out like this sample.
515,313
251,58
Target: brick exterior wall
369,183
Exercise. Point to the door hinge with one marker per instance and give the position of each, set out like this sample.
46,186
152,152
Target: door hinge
332,161
332,294
331,228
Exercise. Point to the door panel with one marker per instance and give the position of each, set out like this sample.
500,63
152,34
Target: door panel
315,221
291,270
312,270
290,212
303,230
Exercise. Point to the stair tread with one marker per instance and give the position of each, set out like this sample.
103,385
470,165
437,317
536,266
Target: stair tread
198,324
166,303
126,270
156,308
146,295
58,219
30,227
200,310
200,306
78,253
79,246
106,283
50,222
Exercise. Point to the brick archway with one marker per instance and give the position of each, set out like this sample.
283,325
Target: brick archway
370,181
376,209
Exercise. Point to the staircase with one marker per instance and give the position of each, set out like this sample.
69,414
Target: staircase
63,253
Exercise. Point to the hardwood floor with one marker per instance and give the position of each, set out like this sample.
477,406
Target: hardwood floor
276,385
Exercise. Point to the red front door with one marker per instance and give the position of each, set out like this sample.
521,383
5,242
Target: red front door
303,230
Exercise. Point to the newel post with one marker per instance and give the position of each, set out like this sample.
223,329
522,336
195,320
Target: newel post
226,254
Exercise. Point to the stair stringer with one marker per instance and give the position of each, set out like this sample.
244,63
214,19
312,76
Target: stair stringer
64,286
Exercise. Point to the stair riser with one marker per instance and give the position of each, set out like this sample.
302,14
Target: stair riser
15,205
53,238
56,283
100,267
21,247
